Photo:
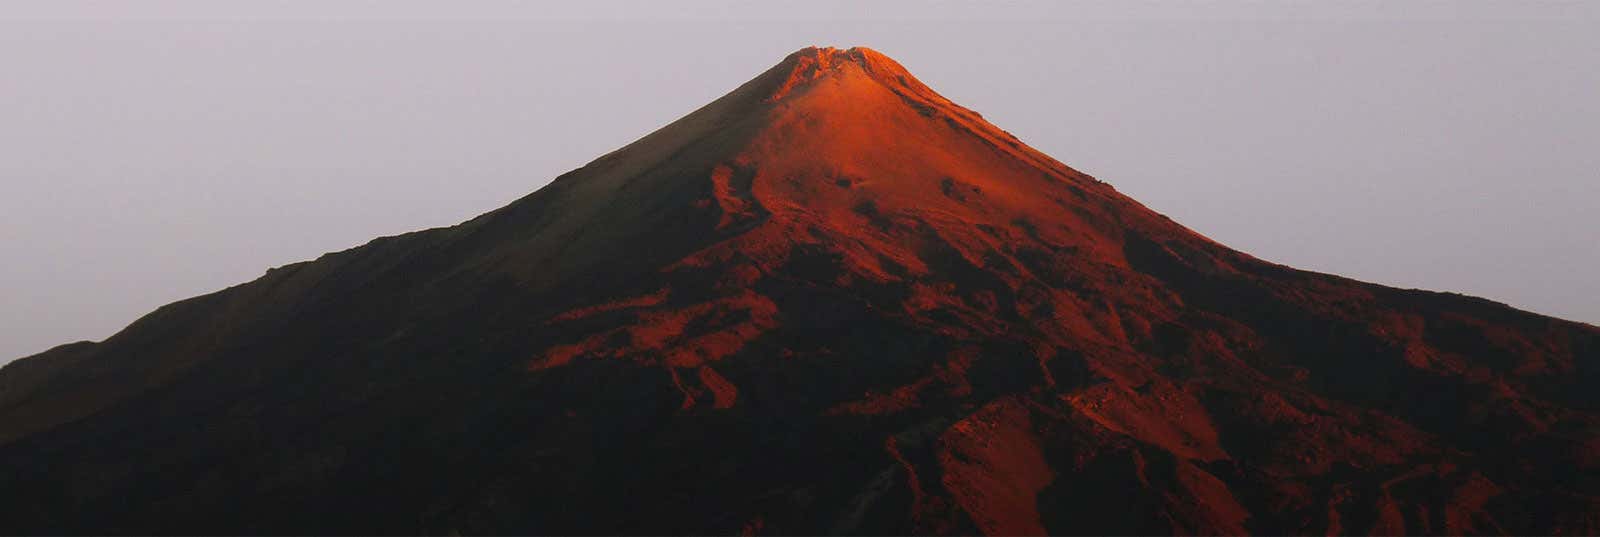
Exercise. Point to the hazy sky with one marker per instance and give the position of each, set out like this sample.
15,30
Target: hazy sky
155,154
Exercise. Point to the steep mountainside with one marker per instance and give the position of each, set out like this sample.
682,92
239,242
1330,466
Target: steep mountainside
831,301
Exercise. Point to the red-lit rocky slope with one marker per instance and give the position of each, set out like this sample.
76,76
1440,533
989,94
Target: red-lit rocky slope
829,302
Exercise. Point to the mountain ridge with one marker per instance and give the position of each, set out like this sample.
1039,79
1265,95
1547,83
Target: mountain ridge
830,301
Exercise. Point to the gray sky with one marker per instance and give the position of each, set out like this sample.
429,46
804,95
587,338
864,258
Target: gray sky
155,154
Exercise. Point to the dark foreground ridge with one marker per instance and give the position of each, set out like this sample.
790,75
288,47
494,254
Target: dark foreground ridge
831,301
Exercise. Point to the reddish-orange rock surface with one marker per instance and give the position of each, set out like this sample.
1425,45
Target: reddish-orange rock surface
831,301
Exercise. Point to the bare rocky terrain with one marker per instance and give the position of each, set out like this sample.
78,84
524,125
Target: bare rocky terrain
831,301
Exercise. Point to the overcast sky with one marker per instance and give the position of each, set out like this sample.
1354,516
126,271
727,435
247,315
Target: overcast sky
148,155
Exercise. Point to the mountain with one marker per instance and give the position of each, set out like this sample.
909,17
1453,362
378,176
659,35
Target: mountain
831,301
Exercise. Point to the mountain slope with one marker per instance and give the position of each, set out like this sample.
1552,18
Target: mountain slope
831,301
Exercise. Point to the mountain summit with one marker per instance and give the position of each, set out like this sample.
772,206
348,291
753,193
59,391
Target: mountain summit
831,301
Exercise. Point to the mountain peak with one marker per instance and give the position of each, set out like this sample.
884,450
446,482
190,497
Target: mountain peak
861,56
830,301
812,63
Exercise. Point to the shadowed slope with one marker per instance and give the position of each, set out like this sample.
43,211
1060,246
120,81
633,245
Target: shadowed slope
829,302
